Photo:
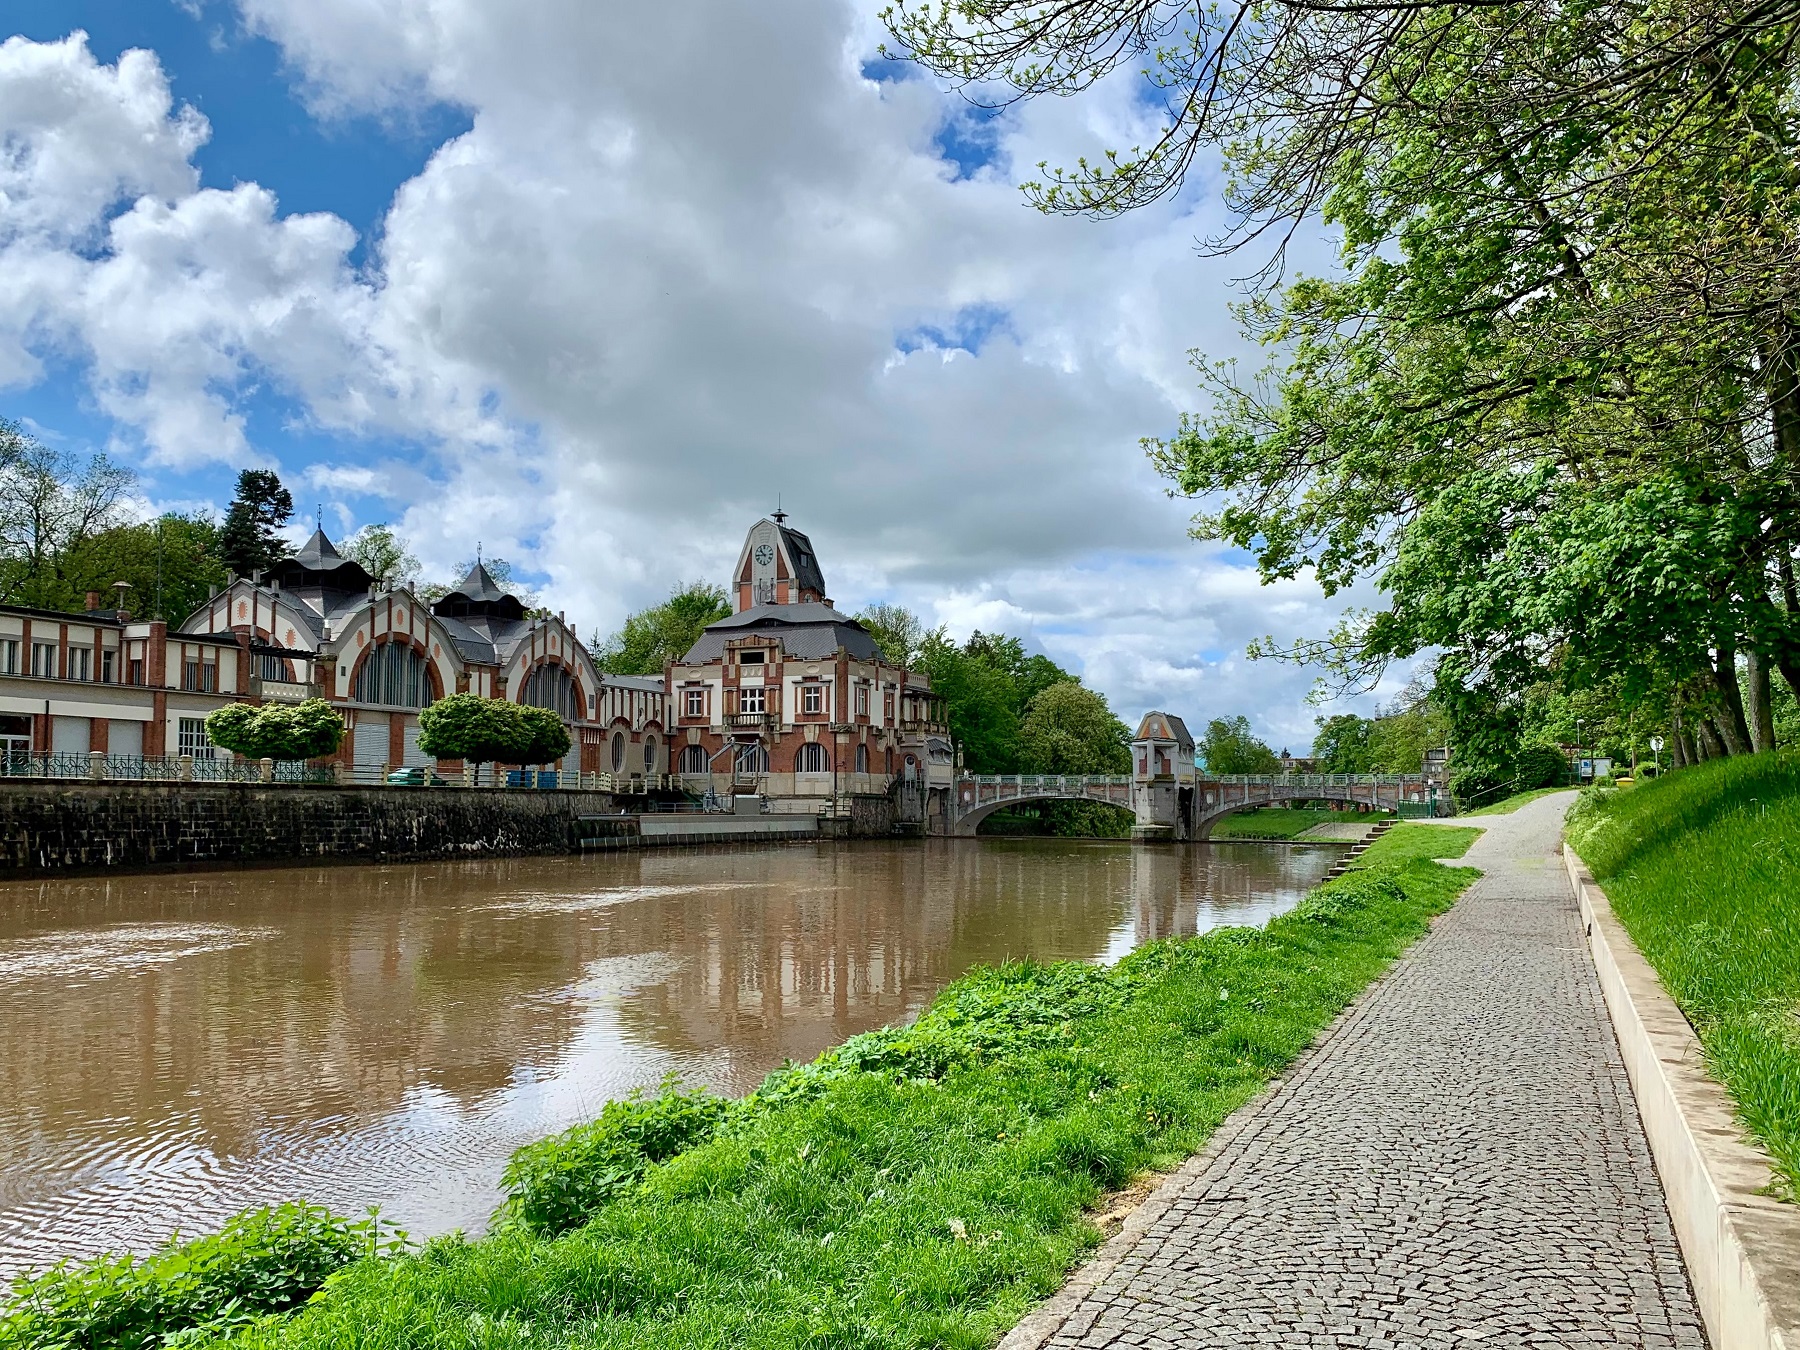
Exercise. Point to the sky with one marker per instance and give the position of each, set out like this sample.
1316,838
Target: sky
595,286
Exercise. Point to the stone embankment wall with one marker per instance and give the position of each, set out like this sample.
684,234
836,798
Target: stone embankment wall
55,827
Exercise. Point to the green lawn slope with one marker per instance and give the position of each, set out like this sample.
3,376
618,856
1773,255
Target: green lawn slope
1703,868
1275,823
919,1186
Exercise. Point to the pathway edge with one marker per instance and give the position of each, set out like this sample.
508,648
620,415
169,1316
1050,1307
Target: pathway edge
1034,1331
1742,1247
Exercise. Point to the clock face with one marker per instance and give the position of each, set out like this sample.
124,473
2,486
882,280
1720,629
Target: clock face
764,554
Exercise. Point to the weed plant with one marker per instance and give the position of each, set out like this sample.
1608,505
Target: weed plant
1703,868
262,1262
916,1186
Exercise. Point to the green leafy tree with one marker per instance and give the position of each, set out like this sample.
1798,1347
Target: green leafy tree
1341,744
663,632
475,729
249,540
897,631
383,555
544,739
1070,729
52,507
1230,747
306,730
171,566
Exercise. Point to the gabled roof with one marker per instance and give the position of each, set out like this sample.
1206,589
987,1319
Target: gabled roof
806,563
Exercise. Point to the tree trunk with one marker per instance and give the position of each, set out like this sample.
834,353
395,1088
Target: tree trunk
1760,705
1729,718
1684,744
1712,744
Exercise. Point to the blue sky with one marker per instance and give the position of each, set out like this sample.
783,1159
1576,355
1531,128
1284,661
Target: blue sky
473,270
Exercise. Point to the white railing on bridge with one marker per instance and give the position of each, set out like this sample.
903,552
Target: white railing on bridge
1071,782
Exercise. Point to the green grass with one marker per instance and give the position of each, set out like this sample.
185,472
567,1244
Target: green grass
918,1186
1506,806
1407,845
1703,869
1275,823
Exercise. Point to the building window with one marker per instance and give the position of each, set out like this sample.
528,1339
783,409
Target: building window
272,667
200,676
81,663
695,702
811,758
108,667
752,759
136,670
393,674
190,738
812,698
862,759
693,759
887,706
754,658
618,752
9,656
751,700
649,754
43,660
550,686
862,700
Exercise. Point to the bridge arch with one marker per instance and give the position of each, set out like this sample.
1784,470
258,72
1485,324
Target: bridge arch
1206,817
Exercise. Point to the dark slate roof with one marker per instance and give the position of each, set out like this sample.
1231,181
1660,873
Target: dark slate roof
1162,726
809,632
478,594
319,566
806,562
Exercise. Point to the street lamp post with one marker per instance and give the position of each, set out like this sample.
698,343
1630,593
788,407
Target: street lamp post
1656,745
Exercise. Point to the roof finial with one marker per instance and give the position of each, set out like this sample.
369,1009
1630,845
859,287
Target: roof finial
780,516
478,553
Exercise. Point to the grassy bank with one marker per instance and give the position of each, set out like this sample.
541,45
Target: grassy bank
1703,868
1275,823
1508,805
917,1186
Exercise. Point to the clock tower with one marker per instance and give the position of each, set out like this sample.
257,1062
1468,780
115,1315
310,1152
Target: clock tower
777,567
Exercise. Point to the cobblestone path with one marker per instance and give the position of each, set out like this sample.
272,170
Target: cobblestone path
1459,1164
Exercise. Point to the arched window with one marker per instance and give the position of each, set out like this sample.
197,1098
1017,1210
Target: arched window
693,759
862,759
811,758
393,674
649,754
550,686
618,752
752,759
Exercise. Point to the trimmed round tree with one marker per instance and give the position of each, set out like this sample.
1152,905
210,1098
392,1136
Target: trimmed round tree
474,729
232,727
277,730
546,738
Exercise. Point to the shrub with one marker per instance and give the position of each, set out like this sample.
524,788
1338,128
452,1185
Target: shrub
277,730
487,730
545,738
1540,766
557,1183
264,1261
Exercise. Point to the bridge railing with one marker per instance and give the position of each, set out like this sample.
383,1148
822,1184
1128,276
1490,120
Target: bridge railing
1076,782
1047,782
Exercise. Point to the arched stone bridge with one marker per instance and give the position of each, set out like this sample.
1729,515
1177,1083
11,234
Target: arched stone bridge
1167,807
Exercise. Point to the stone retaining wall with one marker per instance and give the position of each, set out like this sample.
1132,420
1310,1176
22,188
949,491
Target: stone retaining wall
57,827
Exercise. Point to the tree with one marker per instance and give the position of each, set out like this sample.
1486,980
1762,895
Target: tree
248,541
277,730
472,728
544,739
897,631
663,632
1342,744
170,564
1229,747
51,508
1069,729
383,555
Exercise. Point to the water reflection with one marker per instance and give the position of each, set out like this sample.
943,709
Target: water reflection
178,1047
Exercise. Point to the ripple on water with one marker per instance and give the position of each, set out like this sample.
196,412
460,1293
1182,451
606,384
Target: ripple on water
119,949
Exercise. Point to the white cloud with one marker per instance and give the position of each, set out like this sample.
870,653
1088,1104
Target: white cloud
686,258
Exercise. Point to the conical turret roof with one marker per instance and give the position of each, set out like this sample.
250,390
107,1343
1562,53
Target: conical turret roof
479,594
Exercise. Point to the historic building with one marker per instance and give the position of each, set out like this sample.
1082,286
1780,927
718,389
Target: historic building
317,624
791,699
96,681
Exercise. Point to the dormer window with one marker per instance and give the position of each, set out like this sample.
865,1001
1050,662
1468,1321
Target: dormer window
751,658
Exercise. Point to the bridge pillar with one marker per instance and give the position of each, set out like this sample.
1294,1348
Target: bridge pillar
1156,805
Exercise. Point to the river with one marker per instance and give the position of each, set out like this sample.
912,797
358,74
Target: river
174,1048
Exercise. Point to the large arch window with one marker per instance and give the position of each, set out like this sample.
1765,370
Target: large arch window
752,759
618,752
811,758
393,674
693,759
550,686
649,754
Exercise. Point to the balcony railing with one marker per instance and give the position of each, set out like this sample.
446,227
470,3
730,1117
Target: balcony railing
283,691
752,721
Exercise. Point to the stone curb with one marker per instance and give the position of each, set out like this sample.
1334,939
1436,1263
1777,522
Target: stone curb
1742,1247
1049,1317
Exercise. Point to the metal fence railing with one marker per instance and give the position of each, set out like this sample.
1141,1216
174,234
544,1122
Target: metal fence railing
98,766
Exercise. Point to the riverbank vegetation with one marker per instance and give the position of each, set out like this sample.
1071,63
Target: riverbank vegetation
1278,823
1703,869
918,1186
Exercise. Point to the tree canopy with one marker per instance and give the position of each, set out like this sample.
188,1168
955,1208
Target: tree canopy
277,730
1070,729
250,540
383,555
1229,746
663,632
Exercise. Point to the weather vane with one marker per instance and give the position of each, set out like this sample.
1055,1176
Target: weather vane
779,515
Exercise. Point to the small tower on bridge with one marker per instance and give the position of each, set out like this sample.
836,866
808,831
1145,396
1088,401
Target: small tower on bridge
1162,778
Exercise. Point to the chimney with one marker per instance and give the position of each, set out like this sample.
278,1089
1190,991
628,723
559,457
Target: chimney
93,601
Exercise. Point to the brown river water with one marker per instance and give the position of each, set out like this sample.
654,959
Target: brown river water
178,1047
